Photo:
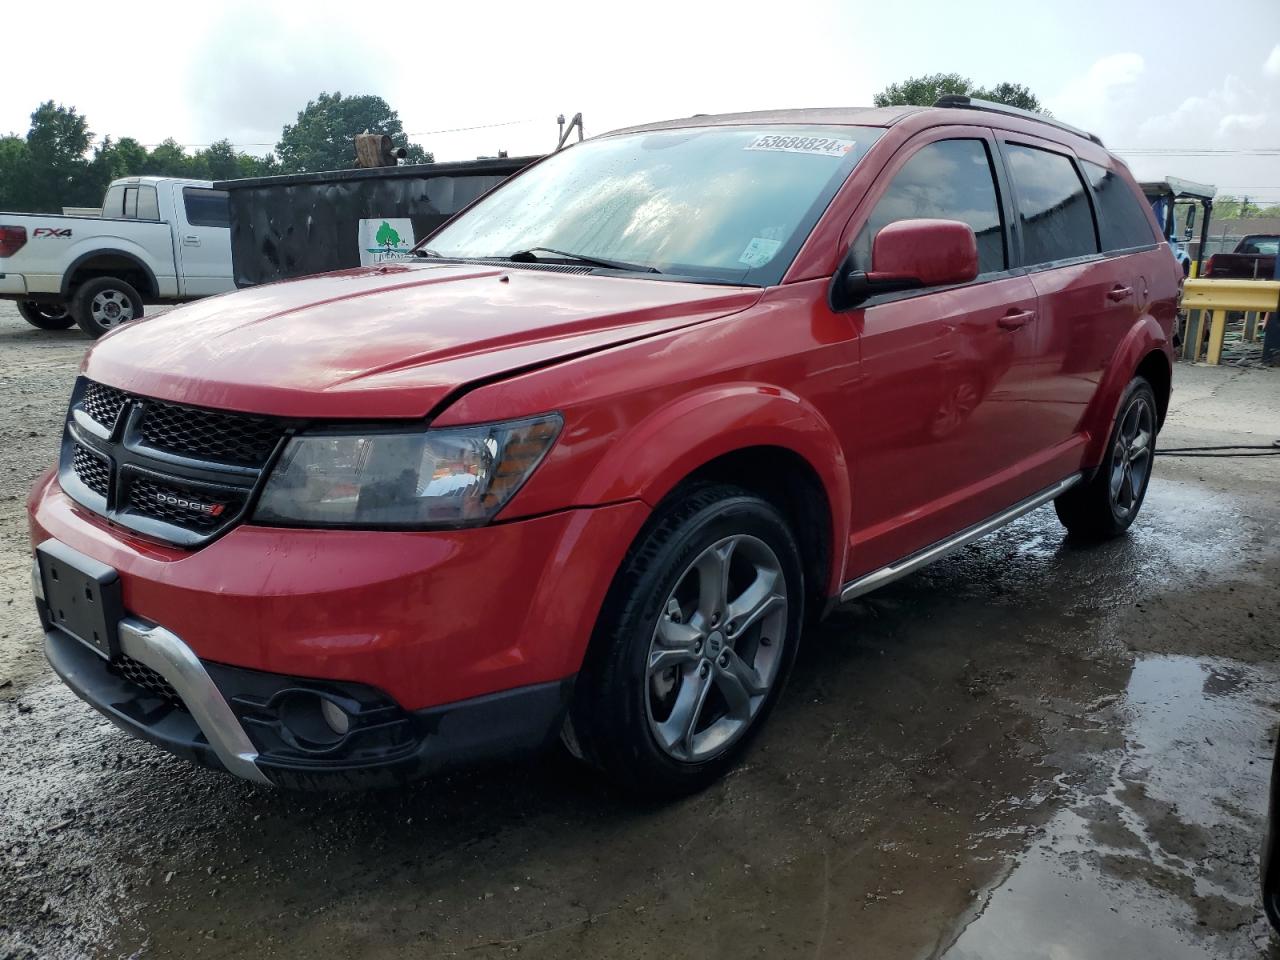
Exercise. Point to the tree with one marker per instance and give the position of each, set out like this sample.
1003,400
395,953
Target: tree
167,159
323,138
14,165
111,160
1241,208
925,91
1014,94
56,171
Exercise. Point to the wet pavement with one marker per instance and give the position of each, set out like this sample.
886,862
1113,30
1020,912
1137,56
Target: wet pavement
1033,749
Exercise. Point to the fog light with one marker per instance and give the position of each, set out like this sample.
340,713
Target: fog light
335,717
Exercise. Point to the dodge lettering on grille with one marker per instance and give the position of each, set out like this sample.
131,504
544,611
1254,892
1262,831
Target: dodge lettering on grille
209,509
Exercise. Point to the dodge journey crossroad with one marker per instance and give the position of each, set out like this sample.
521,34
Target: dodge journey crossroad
583,467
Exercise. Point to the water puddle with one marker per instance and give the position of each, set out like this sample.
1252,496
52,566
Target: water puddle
1145,860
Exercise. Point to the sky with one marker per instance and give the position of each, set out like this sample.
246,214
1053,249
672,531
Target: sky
1149,76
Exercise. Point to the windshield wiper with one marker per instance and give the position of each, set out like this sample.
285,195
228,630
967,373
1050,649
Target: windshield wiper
529,256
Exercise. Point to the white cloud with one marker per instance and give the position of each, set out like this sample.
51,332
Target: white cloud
1086,98
1272,67
1241,121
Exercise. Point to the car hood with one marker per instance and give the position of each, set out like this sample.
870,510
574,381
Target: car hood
389,341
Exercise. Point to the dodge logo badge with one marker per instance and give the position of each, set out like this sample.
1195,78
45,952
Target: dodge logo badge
195,506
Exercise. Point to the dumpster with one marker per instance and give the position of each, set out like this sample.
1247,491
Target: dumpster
304,223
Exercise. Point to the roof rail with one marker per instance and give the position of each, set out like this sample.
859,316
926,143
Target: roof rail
962,102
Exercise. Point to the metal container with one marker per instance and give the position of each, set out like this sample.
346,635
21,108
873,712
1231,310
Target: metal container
304,223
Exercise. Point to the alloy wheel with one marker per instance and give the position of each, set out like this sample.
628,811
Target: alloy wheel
1131,456
110,308
717,649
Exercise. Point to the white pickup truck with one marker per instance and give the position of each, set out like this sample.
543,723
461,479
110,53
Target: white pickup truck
159,240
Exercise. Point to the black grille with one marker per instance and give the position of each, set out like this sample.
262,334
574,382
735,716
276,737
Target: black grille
142,675
210,434
103,403
178,474
183,506
93,471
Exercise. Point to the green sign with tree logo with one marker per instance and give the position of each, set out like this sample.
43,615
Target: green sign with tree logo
385,238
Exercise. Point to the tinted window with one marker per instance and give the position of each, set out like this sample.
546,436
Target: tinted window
1262,245
948,180
113,202
206,208
148,207
1057,223
1121,218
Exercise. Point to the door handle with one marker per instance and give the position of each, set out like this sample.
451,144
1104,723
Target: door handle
1118,293
1015,319
190,241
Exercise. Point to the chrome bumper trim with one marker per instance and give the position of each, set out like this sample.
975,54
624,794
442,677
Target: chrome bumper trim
887,574
165,653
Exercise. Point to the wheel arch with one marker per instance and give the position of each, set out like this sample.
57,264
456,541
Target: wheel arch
785,479
756,436
1158,371
110,263
1145,350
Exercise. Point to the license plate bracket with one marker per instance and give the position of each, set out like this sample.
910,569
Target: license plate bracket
83,596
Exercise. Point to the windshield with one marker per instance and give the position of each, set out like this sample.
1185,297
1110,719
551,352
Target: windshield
731,204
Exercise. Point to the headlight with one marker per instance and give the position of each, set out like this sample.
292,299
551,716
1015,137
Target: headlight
449,477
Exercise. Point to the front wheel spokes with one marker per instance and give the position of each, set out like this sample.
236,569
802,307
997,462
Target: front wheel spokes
677,731
713,581
760,597
739,683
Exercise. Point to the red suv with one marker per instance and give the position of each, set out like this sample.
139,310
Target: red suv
585,466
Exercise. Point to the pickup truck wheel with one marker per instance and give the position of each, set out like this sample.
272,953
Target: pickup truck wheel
104,303
1107,505
46,316
693,645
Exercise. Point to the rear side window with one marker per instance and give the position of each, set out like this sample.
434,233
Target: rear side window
207,208
113,203
1260,245
148,206
946,180
1057,223
1121,219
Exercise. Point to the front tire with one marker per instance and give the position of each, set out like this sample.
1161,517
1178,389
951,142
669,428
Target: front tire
1108,503
45,316
693,645
104,303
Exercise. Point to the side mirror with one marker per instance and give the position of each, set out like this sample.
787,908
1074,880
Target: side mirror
908,255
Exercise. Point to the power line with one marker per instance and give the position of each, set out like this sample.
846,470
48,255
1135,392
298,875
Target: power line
1197,152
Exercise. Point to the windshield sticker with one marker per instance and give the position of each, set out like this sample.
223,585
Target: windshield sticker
759,251
822,146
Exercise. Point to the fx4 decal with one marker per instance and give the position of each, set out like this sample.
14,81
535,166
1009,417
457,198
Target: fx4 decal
52,233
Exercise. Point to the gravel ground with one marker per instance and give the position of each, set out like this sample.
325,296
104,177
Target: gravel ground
1032,749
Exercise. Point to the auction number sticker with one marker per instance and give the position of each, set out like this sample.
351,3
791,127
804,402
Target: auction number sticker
821,146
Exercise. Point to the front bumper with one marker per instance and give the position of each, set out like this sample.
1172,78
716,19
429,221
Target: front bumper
445,647
237,720
428,617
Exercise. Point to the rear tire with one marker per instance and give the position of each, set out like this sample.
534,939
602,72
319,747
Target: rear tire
46,316
1107,504
693,645
104,303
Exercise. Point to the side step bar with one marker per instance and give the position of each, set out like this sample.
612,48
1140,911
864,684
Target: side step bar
922,558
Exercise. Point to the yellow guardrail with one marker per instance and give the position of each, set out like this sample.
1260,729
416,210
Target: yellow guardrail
1211,299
